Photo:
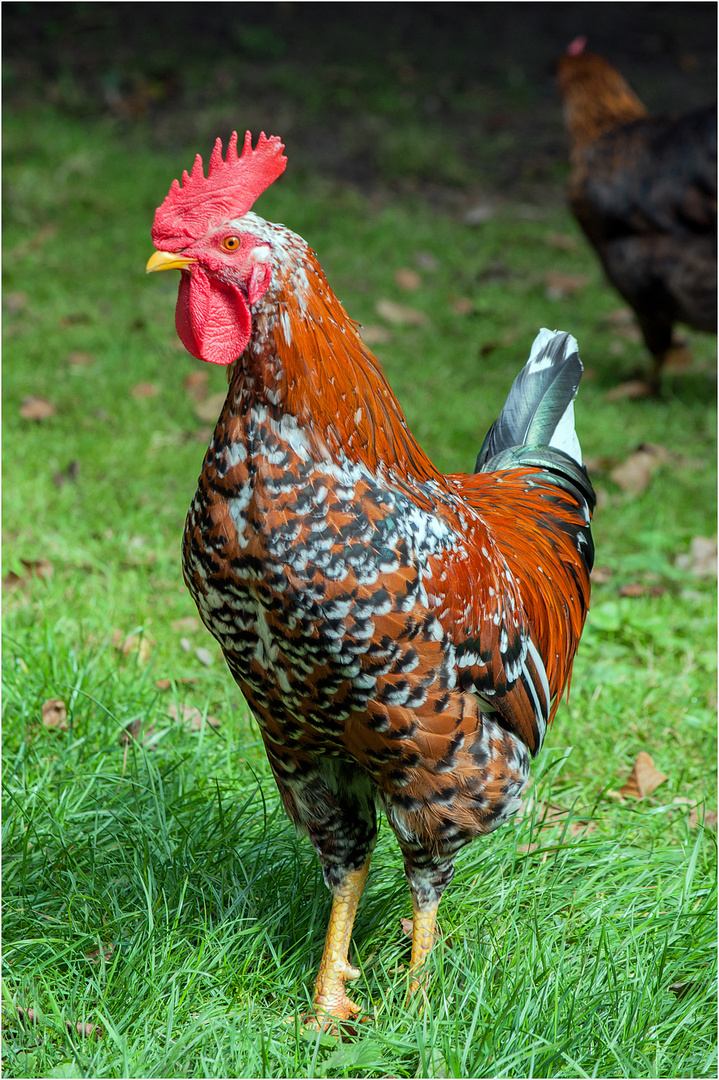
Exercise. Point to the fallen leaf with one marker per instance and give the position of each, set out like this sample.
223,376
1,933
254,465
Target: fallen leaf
702,558
128,643
561,241
41,568
400,315
643,779
633,389
601,575
407,927
15,302
425,260
375,335
54,714
407,279
187,622
462,305
134,729
191,717
106,951
559,284
678,358
708,819
84,1030
478,214
145,390
633,474
75,318
196,384
681,989
638,588
80,359
37,408
209,410
26,1016
166,684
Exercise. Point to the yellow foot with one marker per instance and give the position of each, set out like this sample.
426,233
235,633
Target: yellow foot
330,999
423,938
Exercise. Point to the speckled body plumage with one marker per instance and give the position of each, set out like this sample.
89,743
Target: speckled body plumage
331,584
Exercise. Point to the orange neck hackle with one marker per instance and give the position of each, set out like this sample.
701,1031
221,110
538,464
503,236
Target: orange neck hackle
596,97
307,357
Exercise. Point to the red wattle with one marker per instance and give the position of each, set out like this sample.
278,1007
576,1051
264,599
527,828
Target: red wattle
212,318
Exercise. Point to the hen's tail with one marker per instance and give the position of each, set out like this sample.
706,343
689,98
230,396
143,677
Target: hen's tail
535,429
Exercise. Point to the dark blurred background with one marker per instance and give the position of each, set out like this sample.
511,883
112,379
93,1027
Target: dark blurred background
355,89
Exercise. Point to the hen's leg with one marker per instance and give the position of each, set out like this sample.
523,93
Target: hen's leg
428,877
423,938
330,997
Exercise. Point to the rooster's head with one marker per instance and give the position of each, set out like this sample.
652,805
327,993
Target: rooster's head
201,229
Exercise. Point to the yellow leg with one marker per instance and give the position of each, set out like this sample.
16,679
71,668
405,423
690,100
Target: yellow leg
423,938
330,997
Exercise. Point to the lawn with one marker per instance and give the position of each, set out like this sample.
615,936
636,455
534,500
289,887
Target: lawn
161,919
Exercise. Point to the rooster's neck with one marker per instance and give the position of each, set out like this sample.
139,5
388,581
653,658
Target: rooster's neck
306,360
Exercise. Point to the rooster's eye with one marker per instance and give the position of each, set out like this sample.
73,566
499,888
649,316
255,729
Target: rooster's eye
231,243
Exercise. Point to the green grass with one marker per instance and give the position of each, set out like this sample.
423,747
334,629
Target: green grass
156,888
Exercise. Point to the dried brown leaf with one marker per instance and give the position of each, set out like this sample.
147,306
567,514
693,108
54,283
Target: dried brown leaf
678,358
601,575
708,819
702,558
128,643
41,568
561,241
643,779
145,390
191,717
634,474
84,1030
15,303
209,410
639,588
106,951
375,335
187,622
425,260
54,714
80,359
407,927
26,1016
408,279
479,213
400,315
462,305
165,684
36,408
196,384
558,284
633,389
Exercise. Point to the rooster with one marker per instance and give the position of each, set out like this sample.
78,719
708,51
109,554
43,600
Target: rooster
644,190
401,637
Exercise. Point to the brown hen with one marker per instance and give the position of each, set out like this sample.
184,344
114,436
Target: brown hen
644,190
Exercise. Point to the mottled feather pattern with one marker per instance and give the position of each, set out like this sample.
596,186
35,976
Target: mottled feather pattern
402,637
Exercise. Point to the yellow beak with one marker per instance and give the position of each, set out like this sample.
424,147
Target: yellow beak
167,260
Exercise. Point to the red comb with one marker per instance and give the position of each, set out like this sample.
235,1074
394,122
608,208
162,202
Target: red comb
577,47
228,191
